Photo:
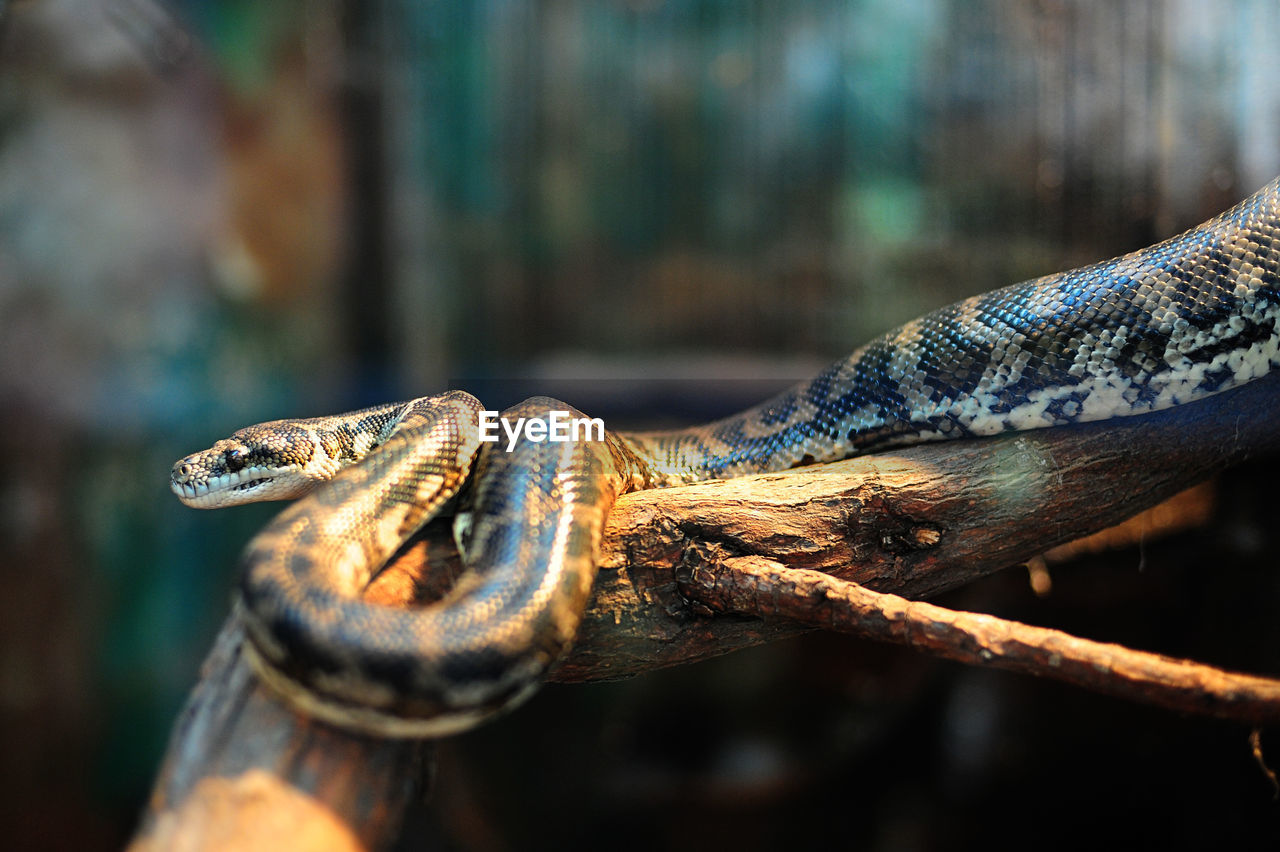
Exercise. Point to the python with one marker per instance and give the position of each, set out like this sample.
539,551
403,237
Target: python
1170,324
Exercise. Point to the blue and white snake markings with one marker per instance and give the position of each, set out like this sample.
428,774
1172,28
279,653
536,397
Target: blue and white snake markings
1167,325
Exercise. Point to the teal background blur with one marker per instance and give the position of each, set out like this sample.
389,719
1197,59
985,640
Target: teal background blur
213,214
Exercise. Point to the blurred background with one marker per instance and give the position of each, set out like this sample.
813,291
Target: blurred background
217,213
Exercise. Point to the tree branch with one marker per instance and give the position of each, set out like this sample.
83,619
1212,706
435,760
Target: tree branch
753,585
243,771
915,521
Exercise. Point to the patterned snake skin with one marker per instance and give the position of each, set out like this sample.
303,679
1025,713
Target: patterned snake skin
1166,325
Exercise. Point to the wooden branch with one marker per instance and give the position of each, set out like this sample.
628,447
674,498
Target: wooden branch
243,772
915,521
753,585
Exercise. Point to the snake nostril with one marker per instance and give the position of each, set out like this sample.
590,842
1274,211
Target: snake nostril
184,470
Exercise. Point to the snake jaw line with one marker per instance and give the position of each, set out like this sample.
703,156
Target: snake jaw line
249,485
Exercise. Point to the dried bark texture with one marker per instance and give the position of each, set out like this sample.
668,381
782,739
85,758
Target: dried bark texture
914,522
243,772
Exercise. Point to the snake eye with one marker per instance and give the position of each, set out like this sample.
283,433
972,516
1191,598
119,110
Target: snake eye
235,459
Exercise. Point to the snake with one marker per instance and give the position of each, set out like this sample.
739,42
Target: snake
1166,325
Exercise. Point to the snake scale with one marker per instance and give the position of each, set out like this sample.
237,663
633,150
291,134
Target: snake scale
1169,324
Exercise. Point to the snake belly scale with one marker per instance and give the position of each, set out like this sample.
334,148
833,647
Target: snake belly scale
1170,324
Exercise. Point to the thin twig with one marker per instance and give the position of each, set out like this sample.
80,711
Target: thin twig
1255,743
754,585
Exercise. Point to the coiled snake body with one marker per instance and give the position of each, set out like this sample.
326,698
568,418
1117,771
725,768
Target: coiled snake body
1170,324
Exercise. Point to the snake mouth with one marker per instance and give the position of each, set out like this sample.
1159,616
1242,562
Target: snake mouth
227,490
252,484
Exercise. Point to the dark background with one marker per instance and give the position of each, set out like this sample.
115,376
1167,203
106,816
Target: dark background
213,214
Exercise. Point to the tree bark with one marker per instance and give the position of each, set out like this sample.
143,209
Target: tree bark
915,521
245,772
242,771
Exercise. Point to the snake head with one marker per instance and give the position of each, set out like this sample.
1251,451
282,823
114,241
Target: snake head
270,461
